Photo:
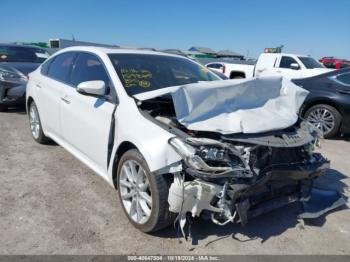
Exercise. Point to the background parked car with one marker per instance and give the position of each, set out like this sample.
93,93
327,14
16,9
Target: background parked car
291,66
334,63
328,104
16,62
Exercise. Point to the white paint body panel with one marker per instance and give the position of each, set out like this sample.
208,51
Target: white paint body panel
247,70
85,125
82,124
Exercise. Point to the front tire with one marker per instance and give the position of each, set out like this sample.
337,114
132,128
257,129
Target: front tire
143,195
35,125
326,118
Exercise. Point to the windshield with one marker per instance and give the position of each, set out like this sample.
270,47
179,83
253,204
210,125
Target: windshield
141,73
310,63
22,54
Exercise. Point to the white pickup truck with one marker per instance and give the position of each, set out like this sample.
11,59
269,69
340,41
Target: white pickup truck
290,66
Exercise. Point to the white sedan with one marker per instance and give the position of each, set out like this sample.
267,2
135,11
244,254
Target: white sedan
120,112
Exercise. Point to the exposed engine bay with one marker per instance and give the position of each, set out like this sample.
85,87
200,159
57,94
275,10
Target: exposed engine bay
234,177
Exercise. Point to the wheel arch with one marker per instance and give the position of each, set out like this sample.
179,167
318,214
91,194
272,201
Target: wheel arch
122,148
314,102
29,101
237,73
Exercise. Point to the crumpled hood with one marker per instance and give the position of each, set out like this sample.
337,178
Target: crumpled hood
231,106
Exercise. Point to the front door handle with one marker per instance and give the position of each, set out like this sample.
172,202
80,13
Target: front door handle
65,99
38,86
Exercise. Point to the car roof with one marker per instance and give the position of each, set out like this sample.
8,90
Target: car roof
325,75
285,54
116,50
24,46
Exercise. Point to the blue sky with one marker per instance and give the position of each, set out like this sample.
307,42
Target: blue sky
315,27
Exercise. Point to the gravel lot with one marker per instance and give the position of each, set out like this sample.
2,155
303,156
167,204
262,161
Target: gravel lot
50,203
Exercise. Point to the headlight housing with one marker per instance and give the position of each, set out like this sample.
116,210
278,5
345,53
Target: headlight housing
207,155
9,76
188,154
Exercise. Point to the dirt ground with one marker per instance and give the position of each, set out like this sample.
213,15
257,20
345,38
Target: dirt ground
50,203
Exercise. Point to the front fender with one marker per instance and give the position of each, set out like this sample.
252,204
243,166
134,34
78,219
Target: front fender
149,138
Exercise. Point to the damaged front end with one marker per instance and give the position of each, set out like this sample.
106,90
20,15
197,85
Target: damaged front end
234,178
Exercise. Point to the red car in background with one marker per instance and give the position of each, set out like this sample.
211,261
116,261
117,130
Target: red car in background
331,62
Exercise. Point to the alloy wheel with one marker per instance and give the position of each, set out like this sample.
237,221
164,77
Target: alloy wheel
323,119
34,121
135,191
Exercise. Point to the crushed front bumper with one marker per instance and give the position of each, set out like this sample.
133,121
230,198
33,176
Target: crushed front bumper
279,186
284,185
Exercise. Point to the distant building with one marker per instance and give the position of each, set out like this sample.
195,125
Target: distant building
63,43
231,54
174,51
203,50
196,54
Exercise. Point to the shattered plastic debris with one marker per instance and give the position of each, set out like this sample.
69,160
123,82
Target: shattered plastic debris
320,202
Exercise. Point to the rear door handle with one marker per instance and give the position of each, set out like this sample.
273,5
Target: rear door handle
38,86
65,99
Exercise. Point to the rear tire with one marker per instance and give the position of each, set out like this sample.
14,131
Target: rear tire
153,216
35,125
324,117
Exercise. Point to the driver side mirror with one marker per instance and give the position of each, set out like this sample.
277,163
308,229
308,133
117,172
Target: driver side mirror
294,66
93,88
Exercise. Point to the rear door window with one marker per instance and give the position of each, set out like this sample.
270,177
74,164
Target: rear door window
61,66
45,67
286,61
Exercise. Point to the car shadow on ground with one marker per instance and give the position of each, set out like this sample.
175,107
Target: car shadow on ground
265,226
332,180
344,137
21,110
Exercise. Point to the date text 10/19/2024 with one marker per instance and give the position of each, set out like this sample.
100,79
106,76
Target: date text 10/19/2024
172,258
